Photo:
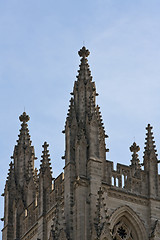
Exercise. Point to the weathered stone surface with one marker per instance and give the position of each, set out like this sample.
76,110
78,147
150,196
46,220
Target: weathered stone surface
90,200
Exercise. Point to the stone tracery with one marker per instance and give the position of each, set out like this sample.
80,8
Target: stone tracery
122,231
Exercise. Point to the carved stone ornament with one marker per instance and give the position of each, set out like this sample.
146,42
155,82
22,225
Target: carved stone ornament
156,231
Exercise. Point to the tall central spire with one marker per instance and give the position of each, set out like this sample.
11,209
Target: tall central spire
85,144
84,116
84,130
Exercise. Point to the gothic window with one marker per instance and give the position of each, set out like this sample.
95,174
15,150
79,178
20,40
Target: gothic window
126,225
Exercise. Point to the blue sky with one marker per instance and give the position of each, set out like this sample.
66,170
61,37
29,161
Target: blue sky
39,41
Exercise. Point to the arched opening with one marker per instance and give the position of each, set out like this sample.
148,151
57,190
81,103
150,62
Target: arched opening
125,224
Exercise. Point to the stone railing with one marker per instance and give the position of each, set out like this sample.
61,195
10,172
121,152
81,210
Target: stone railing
125,177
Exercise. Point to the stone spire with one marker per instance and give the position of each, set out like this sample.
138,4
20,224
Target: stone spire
23,151
45,162
45,188
84,89
135,163
83,112
85,148
150,147
151,162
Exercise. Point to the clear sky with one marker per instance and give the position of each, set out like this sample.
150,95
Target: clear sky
39,41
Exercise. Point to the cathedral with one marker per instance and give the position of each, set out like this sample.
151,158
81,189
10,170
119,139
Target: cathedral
89,200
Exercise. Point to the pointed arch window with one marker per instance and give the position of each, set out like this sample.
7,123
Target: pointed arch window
126,225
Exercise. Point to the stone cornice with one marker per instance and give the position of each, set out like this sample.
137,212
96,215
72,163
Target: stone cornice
129,197
94,160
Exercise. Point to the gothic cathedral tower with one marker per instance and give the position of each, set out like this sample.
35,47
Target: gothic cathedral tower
90,200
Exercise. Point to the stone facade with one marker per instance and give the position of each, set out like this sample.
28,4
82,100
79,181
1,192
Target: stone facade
90,200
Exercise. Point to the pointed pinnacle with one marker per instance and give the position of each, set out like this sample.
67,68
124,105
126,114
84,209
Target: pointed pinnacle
45,155
135,161
149,144
45,162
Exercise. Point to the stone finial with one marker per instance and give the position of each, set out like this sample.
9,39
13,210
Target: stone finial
134,148
83,52
24,137
135,161
45,146
24,117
